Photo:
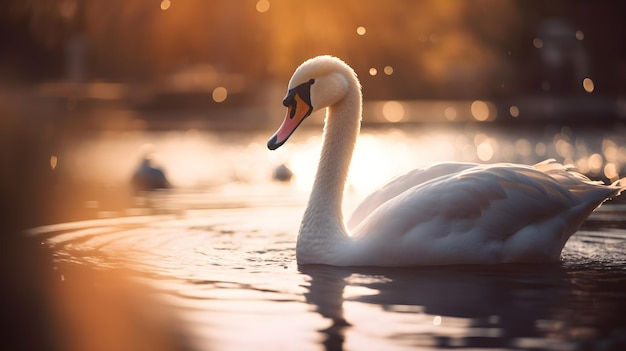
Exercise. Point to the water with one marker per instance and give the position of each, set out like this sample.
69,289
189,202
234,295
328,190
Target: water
218,250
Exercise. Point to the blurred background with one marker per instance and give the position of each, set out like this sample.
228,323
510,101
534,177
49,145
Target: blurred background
93,90
75,69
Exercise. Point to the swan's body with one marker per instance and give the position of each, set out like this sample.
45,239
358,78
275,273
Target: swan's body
449,213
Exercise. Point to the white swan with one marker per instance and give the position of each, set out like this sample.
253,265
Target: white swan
451,213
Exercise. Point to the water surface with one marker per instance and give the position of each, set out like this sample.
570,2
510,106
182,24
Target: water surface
218,250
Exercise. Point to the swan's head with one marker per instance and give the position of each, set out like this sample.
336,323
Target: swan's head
318,83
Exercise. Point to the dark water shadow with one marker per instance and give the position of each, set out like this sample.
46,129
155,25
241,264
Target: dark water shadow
552,305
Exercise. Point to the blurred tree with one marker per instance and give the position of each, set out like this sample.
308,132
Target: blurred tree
437,49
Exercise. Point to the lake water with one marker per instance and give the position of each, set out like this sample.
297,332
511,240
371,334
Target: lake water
217,251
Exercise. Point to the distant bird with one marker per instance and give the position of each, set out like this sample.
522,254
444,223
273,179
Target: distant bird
449,213
282,173
148,177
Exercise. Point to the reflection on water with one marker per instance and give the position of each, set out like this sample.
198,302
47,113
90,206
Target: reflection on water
196,160
219,249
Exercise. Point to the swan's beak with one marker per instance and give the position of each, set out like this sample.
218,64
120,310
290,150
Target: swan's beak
297,111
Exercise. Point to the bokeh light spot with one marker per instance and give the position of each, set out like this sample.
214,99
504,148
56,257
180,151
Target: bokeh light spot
514,111
480,110
580,35
165,4
450,113
595,163
484,151
220,94
538,43
262,6
361,30
588,85
388,70
610,171
373,71
437,320
540,149
393,111
53,162
523,147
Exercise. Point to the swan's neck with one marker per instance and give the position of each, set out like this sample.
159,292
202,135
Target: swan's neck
322,230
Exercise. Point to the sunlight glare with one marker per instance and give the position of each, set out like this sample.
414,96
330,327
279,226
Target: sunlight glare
371,164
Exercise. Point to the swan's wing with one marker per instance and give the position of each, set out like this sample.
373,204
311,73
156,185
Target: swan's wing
485,214
400,184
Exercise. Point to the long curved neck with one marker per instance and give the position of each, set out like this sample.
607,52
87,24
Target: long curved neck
322,222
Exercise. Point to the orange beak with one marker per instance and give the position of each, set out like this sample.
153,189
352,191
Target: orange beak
297,110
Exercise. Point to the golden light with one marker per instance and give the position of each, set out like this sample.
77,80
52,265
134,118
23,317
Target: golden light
53,162
514,111
220,94
262,6
393,111
480,110
165,4
588,85
361,30
388,70
372,165
373,71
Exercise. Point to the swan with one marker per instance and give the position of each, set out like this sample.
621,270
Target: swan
448,213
